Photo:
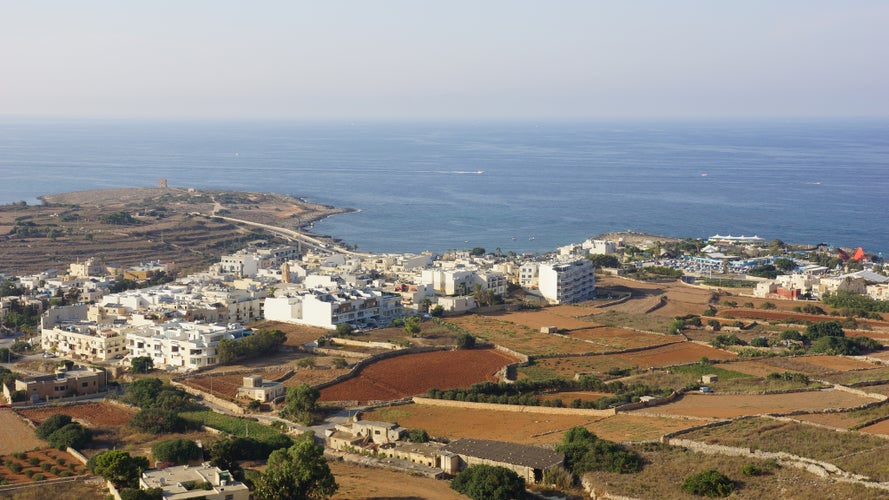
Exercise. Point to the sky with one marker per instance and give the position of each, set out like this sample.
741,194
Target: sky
444,60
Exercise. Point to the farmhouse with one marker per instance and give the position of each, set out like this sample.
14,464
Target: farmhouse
261,390
186,481
528,462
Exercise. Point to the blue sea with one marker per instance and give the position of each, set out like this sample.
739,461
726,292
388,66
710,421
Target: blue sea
525,187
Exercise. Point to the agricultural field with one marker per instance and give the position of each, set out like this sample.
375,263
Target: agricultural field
91,414
39,465
735,405
358,482
297,335
567,367
881,427
240,427
226,386
607,339
851,451
15,434
829,367
543,317
519,338
674,354
526,428
667,466
413,374
847,419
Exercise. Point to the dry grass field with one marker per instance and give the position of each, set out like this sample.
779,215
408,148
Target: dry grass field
543,317
881,427
835,369
297,335
519,338
855,452
847,419
606,339
675,354
737,405
365,483
15,433
666,467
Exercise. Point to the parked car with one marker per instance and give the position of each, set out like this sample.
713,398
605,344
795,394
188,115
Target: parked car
48,355
706,390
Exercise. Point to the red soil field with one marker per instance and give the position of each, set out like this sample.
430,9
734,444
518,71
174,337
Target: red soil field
877,428
94,414
838,363
412,374
69,466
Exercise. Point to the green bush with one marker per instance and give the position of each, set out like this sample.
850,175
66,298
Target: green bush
158,421
38,477
176,451
711,483
33,460
488,482
753,470
584,452
52,424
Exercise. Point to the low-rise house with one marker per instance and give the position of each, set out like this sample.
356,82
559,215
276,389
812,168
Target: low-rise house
261,390
64,383
529,462
189,481
427,454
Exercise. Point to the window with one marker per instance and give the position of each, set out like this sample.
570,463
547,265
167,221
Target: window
84,384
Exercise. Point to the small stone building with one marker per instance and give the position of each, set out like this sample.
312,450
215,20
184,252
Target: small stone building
528,462
261,390
709,379
64,383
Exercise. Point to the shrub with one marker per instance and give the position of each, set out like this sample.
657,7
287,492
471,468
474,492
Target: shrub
418,436
38,477
176,451
45,466
28,473
753,470
15,467
488,482
584,452
465,341
158,421
72,435
340,363
52,424
33,460
711,483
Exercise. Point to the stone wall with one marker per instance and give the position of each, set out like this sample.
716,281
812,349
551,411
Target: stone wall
514,408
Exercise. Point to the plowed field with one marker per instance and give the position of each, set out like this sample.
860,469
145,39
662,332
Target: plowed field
617,339
526,428
412,374
93,414
542,317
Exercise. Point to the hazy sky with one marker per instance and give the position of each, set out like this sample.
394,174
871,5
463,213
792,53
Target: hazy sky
448,59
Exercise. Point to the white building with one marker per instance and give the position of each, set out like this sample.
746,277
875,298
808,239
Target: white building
528,275
327,308
567,281
189,481
181,345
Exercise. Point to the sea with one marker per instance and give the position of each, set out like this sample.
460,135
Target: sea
525,187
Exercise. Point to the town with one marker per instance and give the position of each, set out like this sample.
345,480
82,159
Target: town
625,365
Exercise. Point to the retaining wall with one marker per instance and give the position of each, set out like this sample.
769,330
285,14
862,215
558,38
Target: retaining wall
514,408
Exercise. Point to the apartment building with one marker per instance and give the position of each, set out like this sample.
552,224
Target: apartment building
564,282
181,345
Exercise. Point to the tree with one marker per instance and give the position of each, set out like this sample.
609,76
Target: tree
465,341
344,329
477,251
141,364
488,482
72,435
158,421
118,467
52,424
437,311
176,451
824,329
601,260
139,494
143,392
784,264
412,325
711,483
301,403
584,452
418,436
300,471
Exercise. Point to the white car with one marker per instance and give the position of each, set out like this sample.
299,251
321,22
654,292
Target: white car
48,355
